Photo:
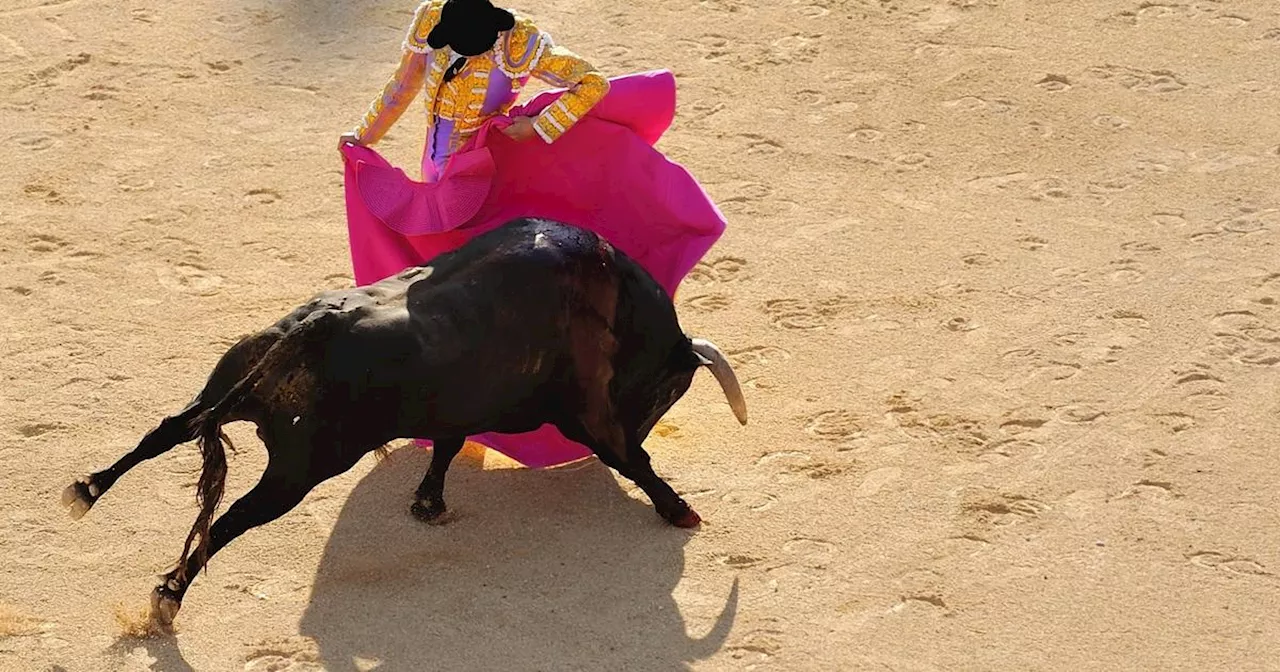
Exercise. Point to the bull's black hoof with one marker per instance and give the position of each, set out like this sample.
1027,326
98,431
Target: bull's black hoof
431,514
79,497
165,604
682,516
689,520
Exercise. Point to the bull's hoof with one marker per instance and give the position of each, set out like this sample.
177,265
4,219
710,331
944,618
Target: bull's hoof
79,497
431,514
686,518
165,604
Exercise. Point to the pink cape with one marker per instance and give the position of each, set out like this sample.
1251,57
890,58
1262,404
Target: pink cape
602,174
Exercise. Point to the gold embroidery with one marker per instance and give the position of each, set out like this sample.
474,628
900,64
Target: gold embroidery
425,19
559,66
522,47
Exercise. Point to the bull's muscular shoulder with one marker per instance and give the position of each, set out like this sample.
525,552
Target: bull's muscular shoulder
571,242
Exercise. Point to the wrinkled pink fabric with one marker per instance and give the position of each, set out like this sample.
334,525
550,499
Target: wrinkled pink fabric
603,174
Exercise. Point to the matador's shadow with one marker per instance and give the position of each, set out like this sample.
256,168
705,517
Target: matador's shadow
538,571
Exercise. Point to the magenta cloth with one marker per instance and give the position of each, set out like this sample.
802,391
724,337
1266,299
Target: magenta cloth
602,174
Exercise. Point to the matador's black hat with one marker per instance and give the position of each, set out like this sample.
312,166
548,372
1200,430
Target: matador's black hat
470,27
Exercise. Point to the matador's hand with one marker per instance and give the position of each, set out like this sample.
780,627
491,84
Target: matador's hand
521,129
349,138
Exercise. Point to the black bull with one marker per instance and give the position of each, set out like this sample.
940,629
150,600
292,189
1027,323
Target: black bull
533,323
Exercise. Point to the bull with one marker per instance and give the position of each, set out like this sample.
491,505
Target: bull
533,323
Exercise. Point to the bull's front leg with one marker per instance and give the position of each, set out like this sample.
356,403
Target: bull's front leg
622,451
670,505
429,506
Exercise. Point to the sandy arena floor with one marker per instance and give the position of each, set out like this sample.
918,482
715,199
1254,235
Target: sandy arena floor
1001,275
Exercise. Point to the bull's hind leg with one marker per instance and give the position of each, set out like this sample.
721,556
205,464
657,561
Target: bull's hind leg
274,495
295,466
81,495
429,506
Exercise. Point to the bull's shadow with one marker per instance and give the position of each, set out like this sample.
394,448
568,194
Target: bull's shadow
538,571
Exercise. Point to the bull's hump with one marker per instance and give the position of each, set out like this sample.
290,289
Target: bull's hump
568,240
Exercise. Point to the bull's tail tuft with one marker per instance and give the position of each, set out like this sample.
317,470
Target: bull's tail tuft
213,441
210,488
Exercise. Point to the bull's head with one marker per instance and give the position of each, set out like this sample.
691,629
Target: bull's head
684,365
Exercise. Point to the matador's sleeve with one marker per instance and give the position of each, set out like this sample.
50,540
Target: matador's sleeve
407,81
560,67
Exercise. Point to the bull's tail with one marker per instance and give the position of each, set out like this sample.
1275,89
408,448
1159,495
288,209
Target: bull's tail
208,429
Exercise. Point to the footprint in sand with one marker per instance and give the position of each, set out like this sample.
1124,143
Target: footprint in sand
1243,337
35,141
786,458
290,653
742,198
190,278
758,355
754,501
1226,562
739,560
1139,81
806,314
1168,219
1110,122
833,425
708,303
876,481
761,644
1054,83
1079,414
1201,388
866,134
134,182
720,270
812,551
1005,510
262,196
49,195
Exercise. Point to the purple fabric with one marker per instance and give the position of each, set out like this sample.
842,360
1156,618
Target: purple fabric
498,94
436,154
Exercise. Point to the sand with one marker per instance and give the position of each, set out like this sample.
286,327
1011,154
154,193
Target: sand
1001,279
